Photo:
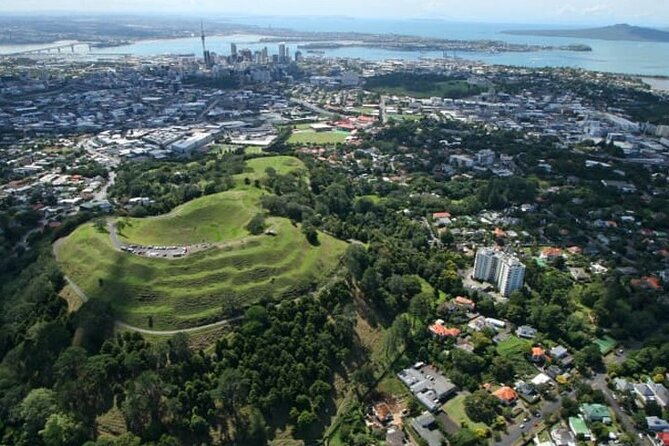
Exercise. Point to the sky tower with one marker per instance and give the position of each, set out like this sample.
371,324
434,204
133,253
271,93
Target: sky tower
205,53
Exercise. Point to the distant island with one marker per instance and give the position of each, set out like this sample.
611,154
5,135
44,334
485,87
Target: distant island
614,32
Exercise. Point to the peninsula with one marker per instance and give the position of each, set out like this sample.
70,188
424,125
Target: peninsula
614,32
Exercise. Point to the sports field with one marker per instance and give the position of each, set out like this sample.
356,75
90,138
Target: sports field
203,287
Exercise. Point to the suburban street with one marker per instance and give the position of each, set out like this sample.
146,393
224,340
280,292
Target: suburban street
516,432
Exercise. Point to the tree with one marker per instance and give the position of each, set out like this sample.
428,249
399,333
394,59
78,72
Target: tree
465,437
502,369
569,408
356,260
588,357
310,233
62,430
305,419
467,362
35,409
600,431
142,406
481,407
421,306
257,224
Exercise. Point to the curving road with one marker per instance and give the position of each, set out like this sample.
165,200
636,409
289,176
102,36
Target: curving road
125,326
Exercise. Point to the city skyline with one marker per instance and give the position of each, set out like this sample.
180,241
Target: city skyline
648,12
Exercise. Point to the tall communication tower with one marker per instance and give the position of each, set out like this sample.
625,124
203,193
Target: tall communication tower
205,53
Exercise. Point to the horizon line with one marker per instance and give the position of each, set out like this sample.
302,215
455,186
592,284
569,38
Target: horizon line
218,15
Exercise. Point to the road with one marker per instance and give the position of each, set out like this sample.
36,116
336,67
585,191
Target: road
516,433
315,108
102,193
599,382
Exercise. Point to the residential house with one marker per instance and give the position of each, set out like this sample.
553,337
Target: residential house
441,218
596,413
383,413
660,392
525,331
527,392
550,253
661,439
622,385
561,356
506,395
554,371
657,424
562,436
579,428
644,394
538,354
465,303
439,330
425,426
395,437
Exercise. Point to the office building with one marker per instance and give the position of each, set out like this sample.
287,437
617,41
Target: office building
502,269
282,52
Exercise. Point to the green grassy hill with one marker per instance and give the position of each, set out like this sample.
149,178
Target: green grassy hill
206,286
211,219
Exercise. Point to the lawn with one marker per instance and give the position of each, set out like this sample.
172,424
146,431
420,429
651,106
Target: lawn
455,409
206,286
313,137
513,346
392,386
516,349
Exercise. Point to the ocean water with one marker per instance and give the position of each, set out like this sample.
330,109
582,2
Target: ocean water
642,58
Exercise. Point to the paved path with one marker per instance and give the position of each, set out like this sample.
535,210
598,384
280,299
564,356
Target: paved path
78,291
125,326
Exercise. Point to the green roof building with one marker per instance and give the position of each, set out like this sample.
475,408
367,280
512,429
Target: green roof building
596,413
578,427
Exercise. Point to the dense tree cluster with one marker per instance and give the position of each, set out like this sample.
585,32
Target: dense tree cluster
171,183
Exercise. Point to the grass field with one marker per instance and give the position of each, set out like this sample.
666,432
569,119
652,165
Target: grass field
516,350
455,409
513,346
226,148
256,167
205,286
210,219
421,87
312,137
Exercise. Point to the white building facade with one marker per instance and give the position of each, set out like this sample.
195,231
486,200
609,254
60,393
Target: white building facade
500,268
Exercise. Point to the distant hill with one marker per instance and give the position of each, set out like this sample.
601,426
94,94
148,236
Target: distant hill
614,32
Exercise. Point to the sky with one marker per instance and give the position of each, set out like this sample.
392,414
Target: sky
639,12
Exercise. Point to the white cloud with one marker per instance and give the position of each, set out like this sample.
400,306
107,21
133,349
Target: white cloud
527,11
